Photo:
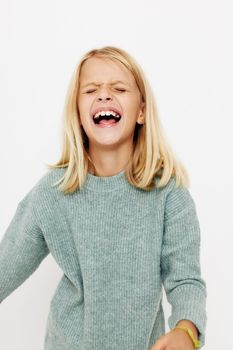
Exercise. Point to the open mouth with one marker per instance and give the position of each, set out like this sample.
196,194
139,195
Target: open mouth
106,118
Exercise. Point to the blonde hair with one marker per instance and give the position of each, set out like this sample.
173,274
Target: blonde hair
152,155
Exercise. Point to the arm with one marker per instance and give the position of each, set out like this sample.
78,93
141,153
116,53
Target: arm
22,248
180,262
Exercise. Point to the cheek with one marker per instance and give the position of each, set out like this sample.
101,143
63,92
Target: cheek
132,104
133,112
84,104
84,117
82,108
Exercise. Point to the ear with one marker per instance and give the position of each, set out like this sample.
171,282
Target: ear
141,117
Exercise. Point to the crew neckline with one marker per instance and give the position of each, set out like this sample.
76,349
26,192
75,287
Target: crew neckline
106,183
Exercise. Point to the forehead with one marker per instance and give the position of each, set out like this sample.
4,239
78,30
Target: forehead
97,69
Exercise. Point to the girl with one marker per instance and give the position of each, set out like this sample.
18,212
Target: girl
121,223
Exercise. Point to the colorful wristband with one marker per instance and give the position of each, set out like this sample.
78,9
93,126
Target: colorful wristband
196,342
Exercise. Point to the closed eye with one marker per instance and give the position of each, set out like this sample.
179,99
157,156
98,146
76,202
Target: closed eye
88,92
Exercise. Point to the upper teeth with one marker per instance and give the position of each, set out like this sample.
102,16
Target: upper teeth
106,113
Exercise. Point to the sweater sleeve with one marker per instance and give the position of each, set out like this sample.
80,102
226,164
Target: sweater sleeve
180,261
22,247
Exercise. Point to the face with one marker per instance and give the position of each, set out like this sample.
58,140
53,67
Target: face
108,85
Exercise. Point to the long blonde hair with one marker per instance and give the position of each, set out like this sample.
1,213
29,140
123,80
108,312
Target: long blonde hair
152,155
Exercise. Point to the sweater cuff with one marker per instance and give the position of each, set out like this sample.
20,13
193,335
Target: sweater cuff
192,311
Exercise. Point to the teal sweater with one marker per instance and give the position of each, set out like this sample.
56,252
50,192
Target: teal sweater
117,246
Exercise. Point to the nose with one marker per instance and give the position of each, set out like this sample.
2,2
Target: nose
104,98
104,95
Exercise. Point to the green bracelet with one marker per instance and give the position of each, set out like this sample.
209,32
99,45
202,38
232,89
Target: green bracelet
196,342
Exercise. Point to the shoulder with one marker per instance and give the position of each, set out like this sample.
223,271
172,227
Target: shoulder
177,199
46,184
43,194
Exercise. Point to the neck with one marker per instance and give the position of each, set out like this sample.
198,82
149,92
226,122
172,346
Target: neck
108,163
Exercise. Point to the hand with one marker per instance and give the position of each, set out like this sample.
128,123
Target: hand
176,339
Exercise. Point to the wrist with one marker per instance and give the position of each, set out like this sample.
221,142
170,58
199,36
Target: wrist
191,325
195,341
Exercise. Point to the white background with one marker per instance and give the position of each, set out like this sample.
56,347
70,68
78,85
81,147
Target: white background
185,49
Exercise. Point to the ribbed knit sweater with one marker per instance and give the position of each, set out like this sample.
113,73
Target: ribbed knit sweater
117,246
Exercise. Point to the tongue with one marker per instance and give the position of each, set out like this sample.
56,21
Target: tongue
107,122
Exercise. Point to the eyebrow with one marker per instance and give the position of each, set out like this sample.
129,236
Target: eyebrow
113,83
